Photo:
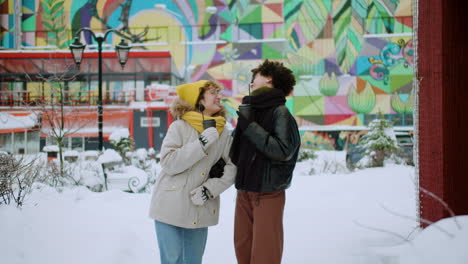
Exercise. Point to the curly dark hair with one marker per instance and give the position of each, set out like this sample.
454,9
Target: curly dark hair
282,77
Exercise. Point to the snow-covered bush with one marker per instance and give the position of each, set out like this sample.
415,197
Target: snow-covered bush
305,154
146,161
380,142
122,142
327,162
17,175
58,174
88,173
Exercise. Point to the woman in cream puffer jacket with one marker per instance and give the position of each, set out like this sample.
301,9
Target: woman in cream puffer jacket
180,216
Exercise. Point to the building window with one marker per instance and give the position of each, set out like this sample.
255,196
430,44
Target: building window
150,122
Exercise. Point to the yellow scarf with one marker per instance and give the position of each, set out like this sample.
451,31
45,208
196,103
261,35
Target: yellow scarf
196,121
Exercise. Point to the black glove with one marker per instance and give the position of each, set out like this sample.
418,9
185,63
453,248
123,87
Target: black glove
242,122
217,171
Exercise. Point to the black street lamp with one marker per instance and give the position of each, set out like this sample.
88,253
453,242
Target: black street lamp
77,49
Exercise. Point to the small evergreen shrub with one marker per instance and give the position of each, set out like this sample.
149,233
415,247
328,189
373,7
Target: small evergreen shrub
306,154
380,142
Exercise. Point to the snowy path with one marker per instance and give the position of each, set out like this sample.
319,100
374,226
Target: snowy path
323,213
78,226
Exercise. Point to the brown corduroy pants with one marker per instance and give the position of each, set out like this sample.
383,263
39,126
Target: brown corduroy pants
258,227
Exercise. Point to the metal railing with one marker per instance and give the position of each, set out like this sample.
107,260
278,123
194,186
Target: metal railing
34,98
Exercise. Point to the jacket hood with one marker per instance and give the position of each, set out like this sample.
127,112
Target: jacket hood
179,107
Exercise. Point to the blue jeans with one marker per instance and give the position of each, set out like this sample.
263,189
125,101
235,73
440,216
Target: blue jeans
178,245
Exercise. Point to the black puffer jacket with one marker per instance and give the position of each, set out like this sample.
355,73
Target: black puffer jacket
275,149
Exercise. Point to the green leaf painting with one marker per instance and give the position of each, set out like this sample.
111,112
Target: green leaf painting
363,102
348,30
402,107
380,17
329,85
351,20
314,14
54,22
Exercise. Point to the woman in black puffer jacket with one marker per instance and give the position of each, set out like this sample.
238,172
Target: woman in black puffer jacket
265,148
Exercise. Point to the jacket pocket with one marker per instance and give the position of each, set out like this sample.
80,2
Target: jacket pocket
279,175
174,182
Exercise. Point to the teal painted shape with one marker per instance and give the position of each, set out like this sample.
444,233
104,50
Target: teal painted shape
227,16
363,65
75,6
29,4
404,97
11,23
295,38
8,41
255,30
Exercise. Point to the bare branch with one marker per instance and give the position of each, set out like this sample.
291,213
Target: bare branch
383,231
441,201
414,219
444,204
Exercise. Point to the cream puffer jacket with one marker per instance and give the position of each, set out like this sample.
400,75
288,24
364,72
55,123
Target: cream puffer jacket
185,166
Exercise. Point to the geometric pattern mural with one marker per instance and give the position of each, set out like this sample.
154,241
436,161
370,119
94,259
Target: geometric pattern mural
352,59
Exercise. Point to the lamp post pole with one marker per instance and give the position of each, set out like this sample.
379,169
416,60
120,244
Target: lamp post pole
122,52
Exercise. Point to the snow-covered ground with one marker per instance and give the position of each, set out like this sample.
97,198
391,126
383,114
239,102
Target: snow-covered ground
341,218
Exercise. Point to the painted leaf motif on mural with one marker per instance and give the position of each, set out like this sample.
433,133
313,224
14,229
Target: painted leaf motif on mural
300,65
314,15
348,30
402,107
239,9
311,16
380,18
363,102
291,13
329,85
53,20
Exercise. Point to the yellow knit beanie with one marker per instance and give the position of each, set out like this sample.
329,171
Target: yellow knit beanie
189,92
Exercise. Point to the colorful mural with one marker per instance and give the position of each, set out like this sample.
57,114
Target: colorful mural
352,59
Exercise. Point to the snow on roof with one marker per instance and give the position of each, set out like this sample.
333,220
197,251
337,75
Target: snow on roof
90,153
71,153
144,105
51,148
348,128
331,128
10,121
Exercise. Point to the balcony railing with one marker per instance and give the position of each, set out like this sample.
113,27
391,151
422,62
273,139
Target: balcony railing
29,98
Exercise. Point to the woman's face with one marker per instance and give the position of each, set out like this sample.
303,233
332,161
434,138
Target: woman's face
260,81
211,101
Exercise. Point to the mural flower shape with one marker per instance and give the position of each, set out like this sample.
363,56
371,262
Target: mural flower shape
363,102
229,54
402,107
329,85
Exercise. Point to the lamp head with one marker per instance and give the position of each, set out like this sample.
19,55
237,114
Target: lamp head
77,49
122,52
